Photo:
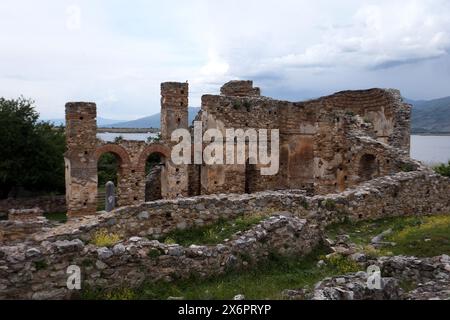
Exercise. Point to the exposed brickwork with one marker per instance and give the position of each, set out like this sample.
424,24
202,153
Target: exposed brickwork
326,145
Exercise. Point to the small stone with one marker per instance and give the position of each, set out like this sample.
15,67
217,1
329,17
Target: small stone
239,297
32,252
104,253
175,298
69,246
340,280
119,249
135,239
358,257
101,265
321,263
175,251
144,215
182,226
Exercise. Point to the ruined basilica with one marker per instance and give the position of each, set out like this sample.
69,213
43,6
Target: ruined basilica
327,145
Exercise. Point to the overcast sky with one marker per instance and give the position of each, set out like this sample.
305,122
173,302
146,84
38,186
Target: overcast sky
116,53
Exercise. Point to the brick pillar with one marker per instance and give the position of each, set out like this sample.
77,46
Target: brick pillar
174,115
174,108
81,165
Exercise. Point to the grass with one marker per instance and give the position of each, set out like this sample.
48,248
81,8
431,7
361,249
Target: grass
419,236
212,234
266,281
443,169
60,217
425,236
103,238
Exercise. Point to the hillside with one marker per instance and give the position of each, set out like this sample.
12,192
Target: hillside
150,121
102,122
432,116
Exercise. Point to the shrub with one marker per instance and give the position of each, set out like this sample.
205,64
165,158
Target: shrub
329,204
103,238
121,294
443,169
343,264
40,265
118,139
153,253
170,241
406,167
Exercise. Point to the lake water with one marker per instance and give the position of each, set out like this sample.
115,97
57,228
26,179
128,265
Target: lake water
111,136
431,149
428,149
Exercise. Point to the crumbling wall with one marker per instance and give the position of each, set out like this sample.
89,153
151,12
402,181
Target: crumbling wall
48,204
37,268
326,145
136,260
84,151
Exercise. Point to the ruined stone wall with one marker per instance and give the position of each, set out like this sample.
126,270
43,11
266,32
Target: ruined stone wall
326,145
240,89
319,146
27,268
405,193
39,272
12,232
84,151
81,167
48,204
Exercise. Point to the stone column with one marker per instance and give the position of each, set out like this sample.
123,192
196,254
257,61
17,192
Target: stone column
81,165
174,115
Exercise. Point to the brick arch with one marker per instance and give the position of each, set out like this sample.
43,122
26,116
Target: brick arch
153,148
115,149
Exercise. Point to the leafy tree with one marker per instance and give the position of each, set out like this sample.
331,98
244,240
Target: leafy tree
31,152
108,167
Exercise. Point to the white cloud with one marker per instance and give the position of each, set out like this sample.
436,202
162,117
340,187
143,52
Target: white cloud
117,54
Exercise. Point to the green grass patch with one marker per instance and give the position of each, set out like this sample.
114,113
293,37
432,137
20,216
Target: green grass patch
443,169
266,281
212,234
60,217
424,236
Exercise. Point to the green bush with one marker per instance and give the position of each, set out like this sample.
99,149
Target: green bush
443,169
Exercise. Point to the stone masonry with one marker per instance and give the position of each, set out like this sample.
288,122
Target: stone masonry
327,145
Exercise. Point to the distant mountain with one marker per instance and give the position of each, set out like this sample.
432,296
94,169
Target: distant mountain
428,116
150,122
101,122
432,116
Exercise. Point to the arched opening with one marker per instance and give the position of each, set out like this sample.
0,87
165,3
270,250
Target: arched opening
155,167
251,177
108,169
368,167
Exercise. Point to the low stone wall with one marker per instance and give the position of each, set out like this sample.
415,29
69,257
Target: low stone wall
408,193
19,231
429,278
48,204
39,272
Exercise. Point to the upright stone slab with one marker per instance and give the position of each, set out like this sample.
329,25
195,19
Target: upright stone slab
110,198
81,165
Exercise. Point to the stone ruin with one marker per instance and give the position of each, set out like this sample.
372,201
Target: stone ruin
327,145
345,156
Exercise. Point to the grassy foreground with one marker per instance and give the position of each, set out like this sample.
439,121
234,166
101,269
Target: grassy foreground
425,236
213,234
419,236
